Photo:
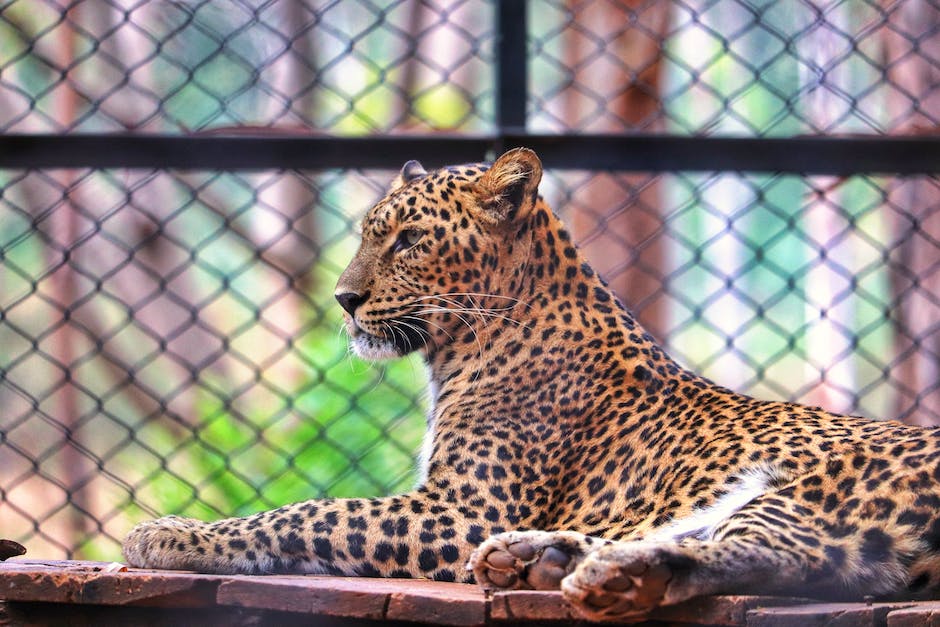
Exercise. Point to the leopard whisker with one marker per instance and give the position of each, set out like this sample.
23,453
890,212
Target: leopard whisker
473,331
426,321
431,309
448,297
475,309
482,313
423,333
350,353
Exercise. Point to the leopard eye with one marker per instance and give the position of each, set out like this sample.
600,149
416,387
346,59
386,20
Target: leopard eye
407,239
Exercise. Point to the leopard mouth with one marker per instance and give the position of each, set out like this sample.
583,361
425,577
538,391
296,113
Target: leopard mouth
397,339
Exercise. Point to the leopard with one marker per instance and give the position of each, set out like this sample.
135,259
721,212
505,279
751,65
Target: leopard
565,449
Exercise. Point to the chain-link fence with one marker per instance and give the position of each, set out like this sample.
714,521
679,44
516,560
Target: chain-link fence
168,342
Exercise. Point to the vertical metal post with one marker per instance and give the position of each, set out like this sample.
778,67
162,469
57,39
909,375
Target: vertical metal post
511,68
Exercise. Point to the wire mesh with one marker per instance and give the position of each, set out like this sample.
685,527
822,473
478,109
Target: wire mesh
168,342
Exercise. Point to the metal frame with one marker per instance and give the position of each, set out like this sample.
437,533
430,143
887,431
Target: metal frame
624,152
646,153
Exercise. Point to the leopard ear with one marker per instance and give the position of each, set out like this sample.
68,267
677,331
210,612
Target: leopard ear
410,171
508,190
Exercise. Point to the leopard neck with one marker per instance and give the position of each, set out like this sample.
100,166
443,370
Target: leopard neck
565,319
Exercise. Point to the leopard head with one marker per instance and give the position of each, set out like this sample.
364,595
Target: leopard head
441,256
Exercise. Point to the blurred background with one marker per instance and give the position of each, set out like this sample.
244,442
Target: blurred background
168,338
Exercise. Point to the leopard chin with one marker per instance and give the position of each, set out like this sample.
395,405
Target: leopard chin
400,341
373,347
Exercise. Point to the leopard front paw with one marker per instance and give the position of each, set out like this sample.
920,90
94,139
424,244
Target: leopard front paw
528,560
623,581
170,543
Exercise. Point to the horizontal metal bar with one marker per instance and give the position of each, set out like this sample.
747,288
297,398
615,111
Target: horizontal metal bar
240,151
642,153
802,155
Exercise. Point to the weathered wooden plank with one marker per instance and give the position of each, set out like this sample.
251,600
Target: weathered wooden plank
918,615
439,603
828,614
97,583
355,597
530,605
40,592
730,611
332,596
67,615
720,610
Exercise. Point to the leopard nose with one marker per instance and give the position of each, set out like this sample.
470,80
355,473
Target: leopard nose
351,300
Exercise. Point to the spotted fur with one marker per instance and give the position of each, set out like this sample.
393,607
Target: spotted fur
553,411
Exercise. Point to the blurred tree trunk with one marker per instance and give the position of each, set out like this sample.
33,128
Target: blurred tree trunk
283,222
42,393
615,73
829,316
911,50
436,76
132,253
64,230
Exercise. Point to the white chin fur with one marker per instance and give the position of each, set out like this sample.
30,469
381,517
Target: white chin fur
373,348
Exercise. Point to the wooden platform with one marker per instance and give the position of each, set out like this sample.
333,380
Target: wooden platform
36,592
